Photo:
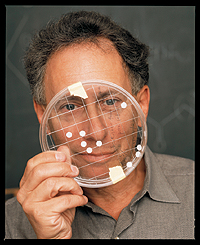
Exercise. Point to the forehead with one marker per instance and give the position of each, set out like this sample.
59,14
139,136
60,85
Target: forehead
83,62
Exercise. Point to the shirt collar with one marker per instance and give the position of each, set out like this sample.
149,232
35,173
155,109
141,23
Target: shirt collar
156,183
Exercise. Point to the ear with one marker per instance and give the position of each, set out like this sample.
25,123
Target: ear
39,110
143,98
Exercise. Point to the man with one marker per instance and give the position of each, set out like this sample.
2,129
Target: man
154,201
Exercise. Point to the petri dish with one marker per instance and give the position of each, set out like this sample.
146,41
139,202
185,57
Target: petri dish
102,125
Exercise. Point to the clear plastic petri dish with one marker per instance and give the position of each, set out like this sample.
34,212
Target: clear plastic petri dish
102,125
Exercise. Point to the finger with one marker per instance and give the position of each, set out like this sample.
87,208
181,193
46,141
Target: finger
51,187
62,203
44,157
64,149
44,171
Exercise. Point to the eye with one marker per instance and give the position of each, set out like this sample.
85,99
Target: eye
70,107
110,101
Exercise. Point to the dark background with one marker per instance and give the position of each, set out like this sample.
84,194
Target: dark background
169,31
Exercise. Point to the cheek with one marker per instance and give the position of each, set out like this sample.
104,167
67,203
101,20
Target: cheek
60,133
124,134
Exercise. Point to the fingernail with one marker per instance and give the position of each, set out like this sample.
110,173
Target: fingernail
60,156
86,199
74,169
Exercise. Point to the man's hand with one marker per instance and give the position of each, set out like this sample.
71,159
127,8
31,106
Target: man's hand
49,194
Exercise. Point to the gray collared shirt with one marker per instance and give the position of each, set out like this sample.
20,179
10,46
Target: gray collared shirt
163,209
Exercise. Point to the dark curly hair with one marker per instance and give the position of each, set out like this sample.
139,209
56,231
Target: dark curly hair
84,26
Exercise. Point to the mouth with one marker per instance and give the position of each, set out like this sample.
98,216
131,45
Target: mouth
97,158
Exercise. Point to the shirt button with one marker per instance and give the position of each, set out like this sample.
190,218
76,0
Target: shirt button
116,237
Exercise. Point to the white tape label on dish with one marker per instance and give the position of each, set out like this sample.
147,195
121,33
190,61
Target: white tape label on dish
77,89
116,174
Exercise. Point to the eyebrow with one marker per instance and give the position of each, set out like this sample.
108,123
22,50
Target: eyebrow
105,94
68,99
100,96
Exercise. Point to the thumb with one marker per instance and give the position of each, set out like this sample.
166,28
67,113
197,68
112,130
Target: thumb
66,151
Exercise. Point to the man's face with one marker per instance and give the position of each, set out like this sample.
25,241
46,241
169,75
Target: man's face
79,63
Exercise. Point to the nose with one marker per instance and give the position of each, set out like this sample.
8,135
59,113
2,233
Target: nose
96,126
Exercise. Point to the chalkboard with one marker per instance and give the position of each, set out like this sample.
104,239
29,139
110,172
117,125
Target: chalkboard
169,31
